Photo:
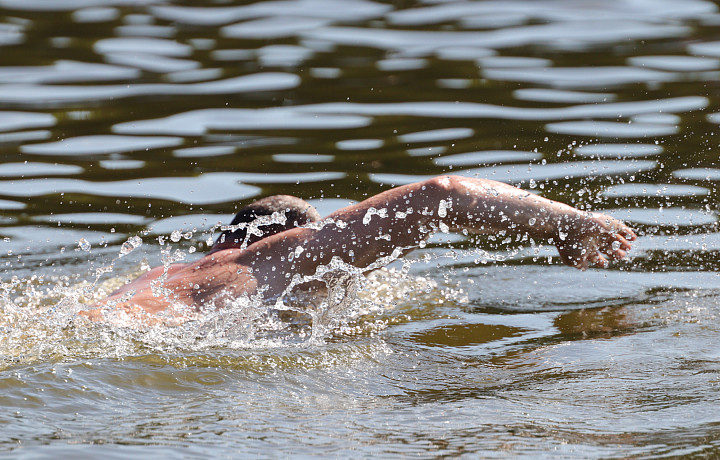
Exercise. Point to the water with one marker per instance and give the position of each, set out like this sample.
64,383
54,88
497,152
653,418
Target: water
130,129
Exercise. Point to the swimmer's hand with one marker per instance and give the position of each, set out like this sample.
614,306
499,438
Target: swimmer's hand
592,239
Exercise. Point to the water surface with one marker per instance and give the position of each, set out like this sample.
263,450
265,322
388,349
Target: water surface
131,129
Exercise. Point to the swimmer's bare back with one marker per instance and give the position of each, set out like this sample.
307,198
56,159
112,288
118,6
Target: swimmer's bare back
357,235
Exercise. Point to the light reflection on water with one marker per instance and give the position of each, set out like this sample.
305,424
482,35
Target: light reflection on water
125,119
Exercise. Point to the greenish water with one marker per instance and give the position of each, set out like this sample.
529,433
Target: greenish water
124,121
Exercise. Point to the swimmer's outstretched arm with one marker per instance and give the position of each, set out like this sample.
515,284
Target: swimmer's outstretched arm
402,217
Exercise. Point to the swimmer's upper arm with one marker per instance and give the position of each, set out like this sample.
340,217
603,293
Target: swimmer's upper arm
358,235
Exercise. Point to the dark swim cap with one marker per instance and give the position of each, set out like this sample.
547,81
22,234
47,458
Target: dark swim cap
297,212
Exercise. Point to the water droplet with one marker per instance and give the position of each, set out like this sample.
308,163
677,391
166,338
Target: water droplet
130,245
442,208
84,245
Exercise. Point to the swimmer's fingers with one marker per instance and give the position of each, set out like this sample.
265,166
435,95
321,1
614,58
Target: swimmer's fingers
615,247
594,252
578,255
596,241
614,226
595,259
613,239
629,234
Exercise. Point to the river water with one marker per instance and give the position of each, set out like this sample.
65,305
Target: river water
129,129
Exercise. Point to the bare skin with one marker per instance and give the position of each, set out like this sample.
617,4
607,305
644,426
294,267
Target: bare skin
360,235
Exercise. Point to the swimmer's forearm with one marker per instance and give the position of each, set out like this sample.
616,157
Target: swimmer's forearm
490,207
583,239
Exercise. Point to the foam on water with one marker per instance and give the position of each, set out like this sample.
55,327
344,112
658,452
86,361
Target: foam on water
39,315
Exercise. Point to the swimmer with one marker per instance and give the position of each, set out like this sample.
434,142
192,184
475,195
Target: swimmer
250,258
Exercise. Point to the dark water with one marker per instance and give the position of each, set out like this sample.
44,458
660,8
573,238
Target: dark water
129,129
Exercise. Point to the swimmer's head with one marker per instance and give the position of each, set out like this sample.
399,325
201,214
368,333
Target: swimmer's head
297,212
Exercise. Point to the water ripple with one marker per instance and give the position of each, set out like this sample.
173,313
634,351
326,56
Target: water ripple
11,121
8,205
144,45
299,158
359,144
658,190
581,77
478,110
205,189
96,14
151,62
550,11
425,42
522,173
705,49
209,151
91,218
122,164
101,144
437,135
561,96
352,10
710,174
274,27
198,122
66,72
24,136
37,169
612,129
675,63
31,95
495,156
618,150
11,34
666,217
506,62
